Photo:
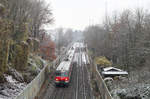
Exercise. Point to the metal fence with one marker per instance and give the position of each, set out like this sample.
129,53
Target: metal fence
104,92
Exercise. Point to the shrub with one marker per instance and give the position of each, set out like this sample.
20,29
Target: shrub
102,61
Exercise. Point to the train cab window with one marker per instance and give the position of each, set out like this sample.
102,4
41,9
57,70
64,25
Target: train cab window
64,74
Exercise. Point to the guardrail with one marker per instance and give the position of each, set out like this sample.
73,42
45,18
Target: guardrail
104,92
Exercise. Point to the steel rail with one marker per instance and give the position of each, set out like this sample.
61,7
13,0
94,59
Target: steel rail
77,79
83,78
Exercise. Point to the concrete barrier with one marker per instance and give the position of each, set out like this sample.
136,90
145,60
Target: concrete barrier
33,88
104,92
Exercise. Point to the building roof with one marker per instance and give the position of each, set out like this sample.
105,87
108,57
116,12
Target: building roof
115,73
112,69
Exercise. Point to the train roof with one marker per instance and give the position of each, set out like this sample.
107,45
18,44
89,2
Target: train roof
71,51
70,56
64,66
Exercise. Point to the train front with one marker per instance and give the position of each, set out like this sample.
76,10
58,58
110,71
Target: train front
61,78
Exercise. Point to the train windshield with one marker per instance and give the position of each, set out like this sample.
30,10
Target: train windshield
62,74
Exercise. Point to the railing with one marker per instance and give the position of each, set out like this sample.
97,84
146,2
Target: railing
104,92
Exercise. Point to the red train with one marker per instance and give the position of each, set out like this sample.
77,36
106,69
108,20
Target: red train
63,73
64,70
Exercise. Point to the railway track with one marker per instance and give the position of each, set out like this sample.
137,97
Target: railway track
83,79
79,87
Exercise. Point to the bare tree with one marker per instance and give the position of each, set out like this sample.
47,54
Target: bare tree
123,38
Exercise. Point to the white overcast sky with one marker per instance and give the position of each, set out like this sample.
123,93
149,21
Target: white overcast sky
78,14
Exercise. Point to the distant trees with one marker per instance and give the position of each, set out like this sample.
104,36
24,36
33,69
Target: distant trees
63,38
60,41
68,36
124,38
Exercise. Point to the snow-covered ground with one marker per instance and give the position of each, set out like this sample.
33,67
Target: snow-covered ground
10,89
135,86
138,91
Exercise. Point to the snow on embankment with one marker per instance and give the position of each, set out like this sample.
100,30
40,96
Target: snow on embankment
138,91
17,81
136,86
10,89
35,65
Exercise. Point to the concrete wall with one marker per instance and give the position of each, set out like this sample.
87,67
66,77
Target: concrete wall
105,94
33,88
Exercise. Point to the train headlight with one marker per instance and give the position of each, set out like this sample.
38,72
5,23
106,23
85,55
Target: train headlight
56,79
66,79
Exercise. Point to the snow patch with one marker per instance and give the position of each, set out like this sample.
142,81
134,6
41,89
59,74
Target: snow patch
10,89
